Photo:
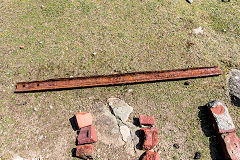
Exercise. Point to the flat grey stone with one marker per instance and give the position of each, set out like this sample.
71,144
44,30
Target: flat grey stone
126,135
234,86
120,109
107,126
190,1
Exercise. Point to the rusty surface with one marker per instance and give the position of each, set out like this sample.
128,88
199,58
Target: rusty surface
115,79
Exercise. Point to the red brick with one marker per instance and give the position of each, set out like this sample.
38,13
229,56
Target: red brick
221,118
149,155
231,146
146,120
83,119
87,135
150,138
84,151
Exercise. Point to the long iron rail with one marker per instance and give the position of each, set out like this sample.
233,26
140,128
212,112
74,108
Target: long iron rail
115,79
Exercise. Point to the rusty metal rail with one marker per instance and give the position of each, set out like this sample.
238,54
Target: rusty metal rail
115,79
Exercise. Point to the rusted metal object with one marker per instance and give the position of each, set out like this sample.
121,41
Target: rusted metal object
115,79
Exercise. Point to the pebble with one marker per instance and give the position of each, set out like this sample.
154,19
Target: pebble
197,155
176,145
130,90
42,6
24,103
21,47
51,107
190,1
41,137
35,109
94,53
186,83
198,30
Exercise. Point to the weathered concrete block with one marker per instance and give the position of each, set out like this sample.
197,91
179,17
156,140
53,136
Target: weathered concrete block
87,135
222,120
149,155
146,120
83,119
231,146
84,151
150,138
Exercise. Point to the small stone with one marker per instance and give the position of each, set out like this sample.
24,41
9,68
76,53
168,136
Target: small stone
42,6
186,83
190,1
35,109
24,103
21,47
51,107
176,145
91,97
197,155
41,137
198,30
125,131
94,53
130,90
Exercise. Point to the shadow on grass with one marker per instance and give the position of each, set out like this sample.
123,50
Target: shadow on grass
208,130
235,100
73,123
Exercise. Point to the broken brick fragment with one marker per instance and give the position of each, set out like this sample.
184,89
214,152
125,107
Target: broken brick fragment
85,151
221,118
149,155
83,119
146,120
230,144
150,138
87,135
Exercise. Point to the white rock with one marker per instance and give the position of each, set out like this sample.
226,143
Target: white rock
120,109
198,30
190,1
41,137
125,131
130,90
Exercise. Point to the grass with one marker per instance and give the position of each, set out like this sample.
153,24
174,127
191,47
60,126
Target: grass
60,39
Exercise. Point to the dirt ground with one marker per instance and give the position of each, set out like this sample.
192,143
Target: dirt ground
68,38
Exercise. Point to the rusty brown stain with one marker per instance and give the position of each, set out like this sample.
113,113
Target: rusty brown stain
115,79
